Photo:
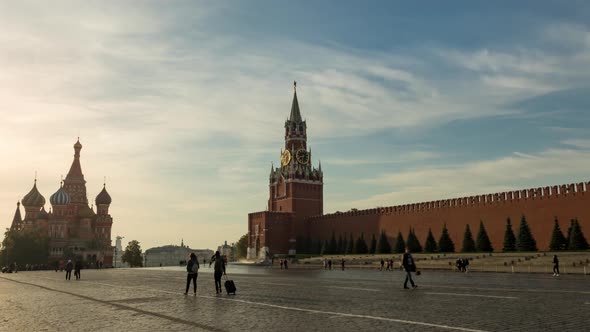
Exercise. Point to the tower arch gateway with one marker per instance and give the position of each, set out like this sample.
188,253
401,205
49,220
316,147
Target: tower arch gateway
295,207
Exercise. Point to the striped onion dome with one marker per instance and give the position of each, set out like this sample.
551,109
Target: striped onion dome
33,198
60,197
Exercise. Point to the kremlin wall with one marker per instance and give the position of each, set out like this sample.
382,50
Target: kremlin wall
295,208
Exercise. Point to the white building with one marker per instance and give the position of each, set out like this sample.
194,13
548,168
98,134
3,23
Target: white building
118,253
173,255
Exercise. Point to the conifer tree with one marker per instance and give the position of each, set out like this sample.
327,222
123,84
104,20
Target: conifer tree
509,238
430,244
569,232
383,247
373,247
340,249
350,247
412,242
577,239
333,245
361,245
525,240
445,243
318,247
400,244
558,241
468,243
483,243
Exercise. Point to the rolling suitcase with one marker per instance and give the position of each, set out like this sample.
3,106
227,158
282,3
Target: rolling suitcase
230,286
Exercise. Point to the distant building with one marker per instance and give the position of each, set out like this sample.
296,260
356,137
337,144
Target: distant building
173,255
227,251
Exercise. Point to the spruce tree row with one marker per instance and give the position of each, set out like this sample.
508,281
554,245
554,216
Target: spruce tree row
347,244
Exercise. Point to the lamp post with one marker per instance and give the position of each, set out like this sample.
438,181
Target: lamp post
115,257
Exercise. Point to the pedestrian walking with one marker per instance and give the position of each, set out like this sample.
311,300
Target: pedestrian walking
329,264
285,264
342,263
281,263
218,270
325,264
555,266
465,264
192,269
409,267
77,269
69,267
382,264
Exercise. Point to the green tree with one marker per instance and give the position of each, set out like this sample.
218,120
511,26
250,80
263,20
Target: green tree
400,244
319,244
132,254
344,244
373,248
26,246
445,243
324,250
340,245
483,242
412,242
509,238
558,240
525,240
384,247
361,245
350,248
242,246
577,239
569,232
430,244
333,245
468,243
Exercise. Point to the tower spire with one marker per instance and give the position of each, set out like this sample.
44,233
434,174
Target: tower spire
17,220
295,115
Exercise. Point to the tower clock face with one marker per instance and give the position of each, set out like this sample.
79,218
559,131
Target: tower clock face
285,158
302,156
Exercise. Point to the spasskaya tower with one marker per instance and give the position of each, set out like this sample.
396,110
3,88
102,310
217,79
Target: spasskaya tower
295,193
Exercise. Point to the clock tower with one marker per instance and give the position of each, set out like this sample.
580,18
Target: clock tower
296,186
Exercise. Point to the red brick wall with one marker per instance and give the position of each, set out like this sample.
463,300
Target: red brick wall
540,206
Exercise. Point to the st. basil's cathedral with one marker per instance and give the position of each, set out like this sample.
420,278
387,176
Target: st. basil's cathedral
73,227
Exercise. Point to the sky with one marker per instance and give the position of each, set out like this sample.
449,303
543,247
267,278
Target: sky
181,104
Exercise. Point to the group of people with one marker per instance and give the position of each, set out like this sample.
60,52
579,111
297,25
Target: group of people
192,268
462,264
389,265
77,267
284,264
328,264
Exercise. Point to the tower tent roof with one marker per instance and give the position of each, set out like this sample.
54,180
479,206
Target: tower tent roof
17,220
75,172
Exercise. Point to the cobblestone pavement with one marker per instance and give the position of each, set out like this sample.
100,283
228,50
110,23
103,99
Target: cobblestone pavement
293,300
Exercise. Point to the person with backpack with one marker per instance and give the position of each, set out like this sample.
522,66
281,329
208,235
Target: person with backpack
192,267
409,267
219,270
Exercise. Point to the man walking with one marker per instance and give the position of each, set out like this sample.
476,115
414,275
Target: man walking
219,270
409,267
555,266
69,267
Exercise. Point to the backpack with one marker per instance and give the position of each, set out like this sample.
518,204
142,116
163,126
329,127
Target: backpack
195,267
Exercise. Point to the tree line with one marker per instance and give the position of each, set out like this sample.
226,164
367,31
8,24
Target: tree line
346,243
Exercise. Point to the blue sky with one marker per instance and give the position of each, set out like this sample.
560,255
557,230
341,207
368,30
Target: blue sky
181,105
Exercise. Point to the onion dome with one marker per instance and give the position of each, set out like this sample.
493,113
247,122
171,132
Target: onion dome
78,145
86,212
103,197
42,214
33,198
60,197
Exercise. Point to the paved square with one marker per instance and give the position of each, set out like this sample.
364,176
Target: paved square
293,300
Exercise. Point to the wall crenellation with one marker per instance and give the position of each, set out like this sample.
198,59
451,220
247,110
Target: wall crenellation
553,192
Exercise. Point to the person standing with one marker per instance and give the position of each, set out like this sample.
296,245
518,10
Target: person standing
281,263
285,264
192,269
555,266
77,268
69,267
409,267
325,264
329,264
342,263
383,263
218,270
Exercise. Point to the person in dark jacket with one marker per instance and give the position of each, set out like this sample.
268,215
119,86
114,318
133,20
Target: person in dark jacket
219,270
69,267
192,269
409,267
77,268
555,266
